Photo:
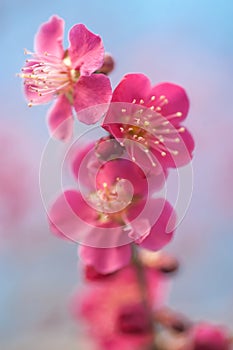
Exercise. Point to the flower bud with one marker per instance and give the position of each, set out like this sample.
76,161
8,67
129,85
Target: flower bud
108,148
108,64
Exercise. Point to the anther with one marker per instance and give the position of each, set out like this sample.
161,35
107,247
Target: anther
182,129
152,98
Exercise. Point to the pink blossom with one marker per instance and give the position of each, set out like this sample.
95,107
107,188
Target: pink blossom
115,311
210,337
119,211
67,75
147,121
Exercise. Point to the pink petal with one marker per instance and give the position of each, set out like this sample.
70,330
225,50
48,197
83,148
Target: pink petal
49,37
95,92
106,260
60,119
162,219
71,217
132,86
140,230
177,100
147,160
86,50
183,150
116,169
82,158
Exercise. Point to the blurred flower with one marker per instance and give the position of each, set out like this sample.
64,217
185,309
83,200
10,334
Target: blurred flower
116,311
209,337
147,121
66,74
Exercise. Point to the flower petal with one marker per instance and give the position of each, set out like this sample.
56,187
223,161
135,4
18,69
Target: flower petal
162,218
86,50
106,260
60,119
114,170
83,154
177,101
49,37
177,153
71,217
132,87
93,91
140,229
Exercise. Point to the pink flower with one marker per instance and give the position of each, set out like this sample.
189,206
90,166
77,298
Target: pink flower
115,312
147,121
117,210
66,75
210,337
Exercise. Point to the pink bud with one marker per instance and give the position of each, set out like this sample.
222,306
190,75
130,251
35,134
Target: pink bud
108,64
108,148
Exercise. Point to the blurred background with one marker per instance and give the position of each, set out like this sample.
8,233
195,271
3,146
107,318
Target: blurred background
185,42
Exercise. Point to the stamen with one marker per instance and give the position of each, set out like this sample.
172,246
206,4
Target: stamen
46,74
146,150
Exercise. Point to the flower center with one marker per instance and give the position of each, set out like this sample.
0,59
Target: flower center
111,201
47,75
